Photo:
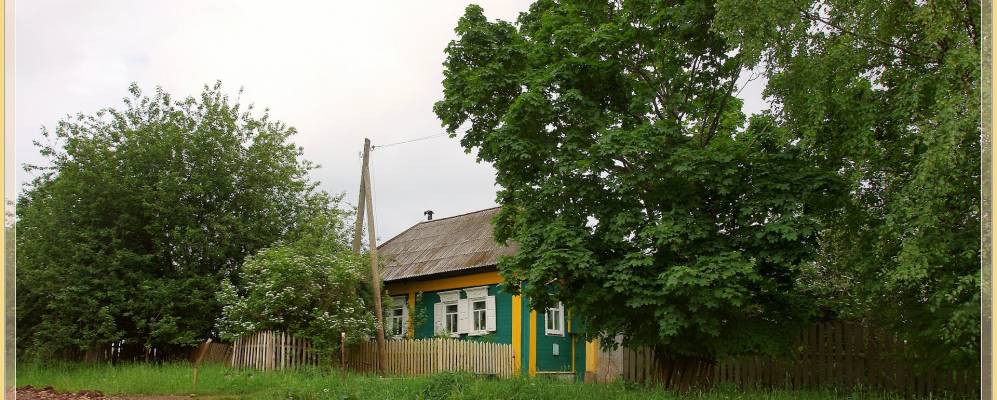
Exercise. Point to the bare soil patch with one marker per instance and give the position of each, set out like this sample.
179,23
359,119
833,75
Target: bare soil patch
48,393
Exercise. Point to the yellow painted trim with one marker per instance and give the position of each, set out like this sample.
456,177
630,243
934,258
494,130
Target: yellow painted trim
533,343
454,282
572,342
991,364
591,356
517,333
411,315
8,308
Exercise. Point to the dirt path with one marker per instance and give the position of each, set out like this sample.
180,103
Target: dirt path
48,393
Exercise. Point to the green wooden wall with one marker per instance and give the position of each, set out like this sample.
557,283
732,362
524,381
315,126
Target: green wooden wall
546,360
503,315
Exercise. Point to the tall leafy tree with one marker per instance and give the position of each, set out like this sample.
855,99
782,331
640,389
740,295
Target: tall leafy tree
887,95
628,179
139,212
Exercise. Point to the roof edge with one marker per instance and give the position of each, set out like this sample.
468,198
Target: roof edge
435,220
445,274
399,234
462,215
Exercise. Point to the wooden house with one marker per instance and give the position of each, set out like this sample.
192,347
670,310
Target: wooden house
443,280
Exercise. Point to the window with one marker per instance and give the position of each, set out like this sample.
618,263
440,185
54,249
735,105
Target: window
397,324
555,320
451,318
398,318
478,313
447,315
472,315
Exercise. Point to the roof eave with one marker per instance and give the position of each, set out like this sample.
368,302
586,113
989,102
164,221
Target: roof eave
445,274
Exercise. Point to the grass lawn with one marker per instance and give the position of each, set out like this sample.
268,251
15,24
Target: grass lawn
307,384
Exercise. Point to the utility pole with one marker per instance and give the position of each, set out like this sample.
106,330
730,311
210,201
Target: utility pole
365,202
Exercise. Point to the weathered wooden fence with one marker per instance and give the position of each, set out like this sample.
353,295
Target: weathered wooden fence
427,356
832,354
215,353
277,351
269,350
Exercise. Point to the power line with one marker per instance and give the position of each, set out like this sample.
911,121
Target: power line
408,141
370,181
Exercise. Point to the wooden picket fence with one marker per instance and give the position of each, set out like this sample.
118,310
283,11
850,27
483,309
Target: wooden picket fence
269,350
834,354
428,356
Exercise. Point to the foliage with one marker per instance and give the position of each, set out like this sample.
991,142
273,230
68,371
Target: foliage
323,384
441,386
626,178
138,213
887,95
314,288
420,315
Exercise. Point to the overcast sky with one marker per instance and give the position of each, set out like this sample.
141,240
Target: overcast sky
337,71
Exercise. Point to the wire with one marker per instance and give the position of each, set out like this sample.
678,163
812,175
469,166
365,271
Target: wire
370,172
408,141
373,204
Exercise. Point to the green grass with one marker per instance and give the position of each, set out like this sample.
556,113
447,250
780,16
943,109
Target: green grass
314,384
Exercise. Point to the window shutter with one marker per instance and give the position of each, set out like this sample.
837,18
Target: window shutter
560,313
463,316
548,322
490,313
405,321
438,318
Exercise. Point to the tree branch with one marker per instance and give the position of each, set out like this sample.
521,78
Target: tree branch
969,21
815,18
720,110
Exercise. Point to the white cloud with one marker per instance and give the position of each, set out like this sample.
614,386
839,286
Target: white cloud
337,71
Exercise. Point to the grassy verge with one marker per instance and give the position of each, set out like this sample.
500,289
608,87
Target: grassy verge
314,384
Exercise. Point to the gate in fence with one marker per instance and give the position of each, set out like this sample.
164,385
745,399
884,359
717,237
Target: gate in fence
211,352
269,350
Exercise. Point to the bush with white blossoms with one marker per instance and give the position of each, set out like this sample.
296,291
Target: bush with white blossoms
314,295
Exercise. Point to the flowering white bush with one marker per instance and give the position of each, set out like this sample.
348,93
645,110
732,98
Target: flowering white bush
311,294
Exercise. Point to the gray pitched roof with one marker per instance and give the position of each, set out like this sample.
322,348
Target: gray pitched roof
446,245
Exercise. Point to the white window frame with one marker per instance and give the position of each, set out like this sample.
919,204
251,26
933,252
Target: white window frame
475,296
451,325
449,298
399,303
554,326
479,317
